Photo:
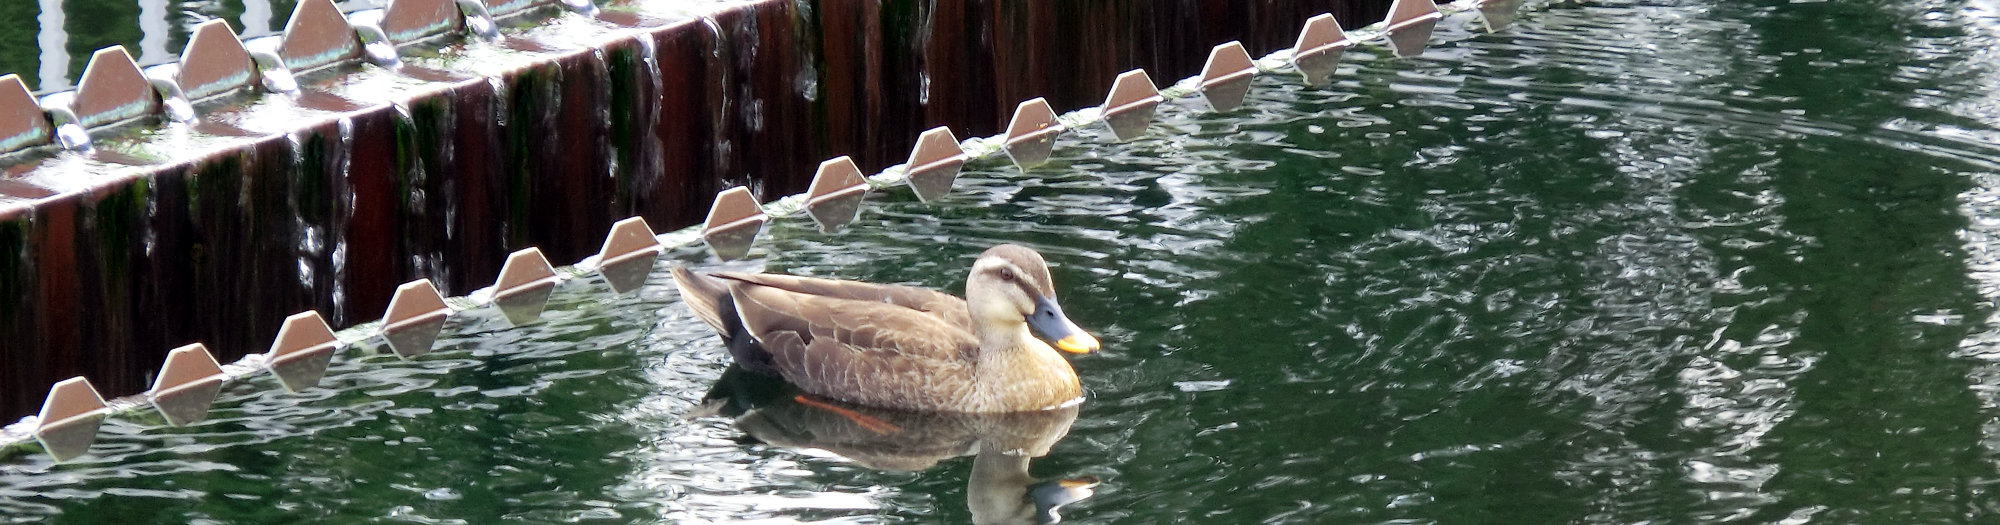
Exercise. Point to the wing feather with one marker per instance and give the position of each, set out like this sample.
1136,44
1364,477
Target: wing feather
944,306
867,352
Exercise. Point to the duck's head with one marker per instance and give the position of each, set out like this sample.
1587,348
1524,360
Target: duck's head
1010,286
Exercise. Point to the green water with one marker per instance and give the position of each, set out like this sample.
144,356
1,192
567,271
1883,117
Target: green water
1622,263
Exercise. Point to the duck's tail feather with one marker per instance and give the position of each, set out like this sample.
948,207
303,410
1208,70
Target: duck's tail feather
707,296
711,301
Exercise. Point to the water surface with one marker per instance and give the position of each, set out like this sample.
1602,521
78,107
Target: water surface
1624,262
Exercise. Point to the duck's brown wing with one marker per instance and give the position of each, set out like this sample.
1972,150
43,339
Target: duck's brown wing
865,352
944,306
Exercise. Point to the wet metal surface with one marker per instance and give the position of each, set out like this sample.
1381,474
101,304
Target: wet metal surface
300,354
69,419
215,62
1317,53
112,90
835,196
414,318
409,20
733,223
187,385
524,286
22,123
934,164
1031,136
628,254
317,36
1129,107
1226,77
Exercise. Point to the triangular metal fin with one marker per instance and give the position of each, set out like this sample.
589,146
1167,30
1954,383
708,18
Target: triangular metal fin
1129,107
317,35
187,385
628,254
415,315
302,351
1031,136
113,89
215,62
835,197
934,164
69,419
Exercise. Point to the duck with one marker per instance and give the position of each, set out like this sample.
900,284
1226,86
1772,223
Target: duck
903,347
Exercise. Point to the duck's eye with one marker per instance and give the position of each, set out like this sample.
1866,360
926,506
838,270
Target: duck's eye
1006,274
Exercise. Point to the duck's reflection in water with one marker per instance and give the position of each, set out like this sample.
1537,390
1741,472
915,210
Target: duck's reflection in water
1000,491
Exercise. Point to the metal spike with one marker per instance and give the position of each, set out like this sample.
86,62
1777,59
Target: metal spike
1410,25
1499,14
628,254
302,351
1317,54
733,222
406,21
1129,107
69,419
934,164
524,286
23,124
835,196
214,62
317,36
187,385
1405,12
112,90
1031,137
1226,76
415,316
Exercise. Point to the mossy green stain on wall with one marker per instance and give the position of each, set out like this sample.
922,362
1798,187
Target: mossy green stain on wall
312,196
115,230
529,101
627,69
407,146
14,271
210,188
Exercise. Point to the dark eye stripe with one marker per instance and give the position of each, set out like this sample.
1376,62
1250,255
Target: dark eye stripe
1028,288
1015,277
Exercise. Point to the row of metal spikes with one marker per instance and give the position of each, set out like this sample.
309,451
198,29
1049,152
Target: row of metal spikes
114,90
834,199
191,377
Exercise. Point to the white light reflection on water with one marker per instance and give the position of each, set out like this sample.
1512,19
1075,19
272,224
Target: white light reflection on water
54,71
1981,206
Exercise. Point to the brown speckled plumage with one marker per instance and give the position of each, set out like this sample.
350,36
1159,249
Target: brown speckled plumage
894,346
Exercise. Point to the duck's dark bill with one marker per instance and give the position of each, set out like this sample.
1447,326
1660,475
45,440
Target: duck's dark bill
1049,321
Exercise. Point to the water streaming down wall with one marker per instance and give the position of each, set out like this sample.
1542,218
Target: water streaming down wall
266,205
